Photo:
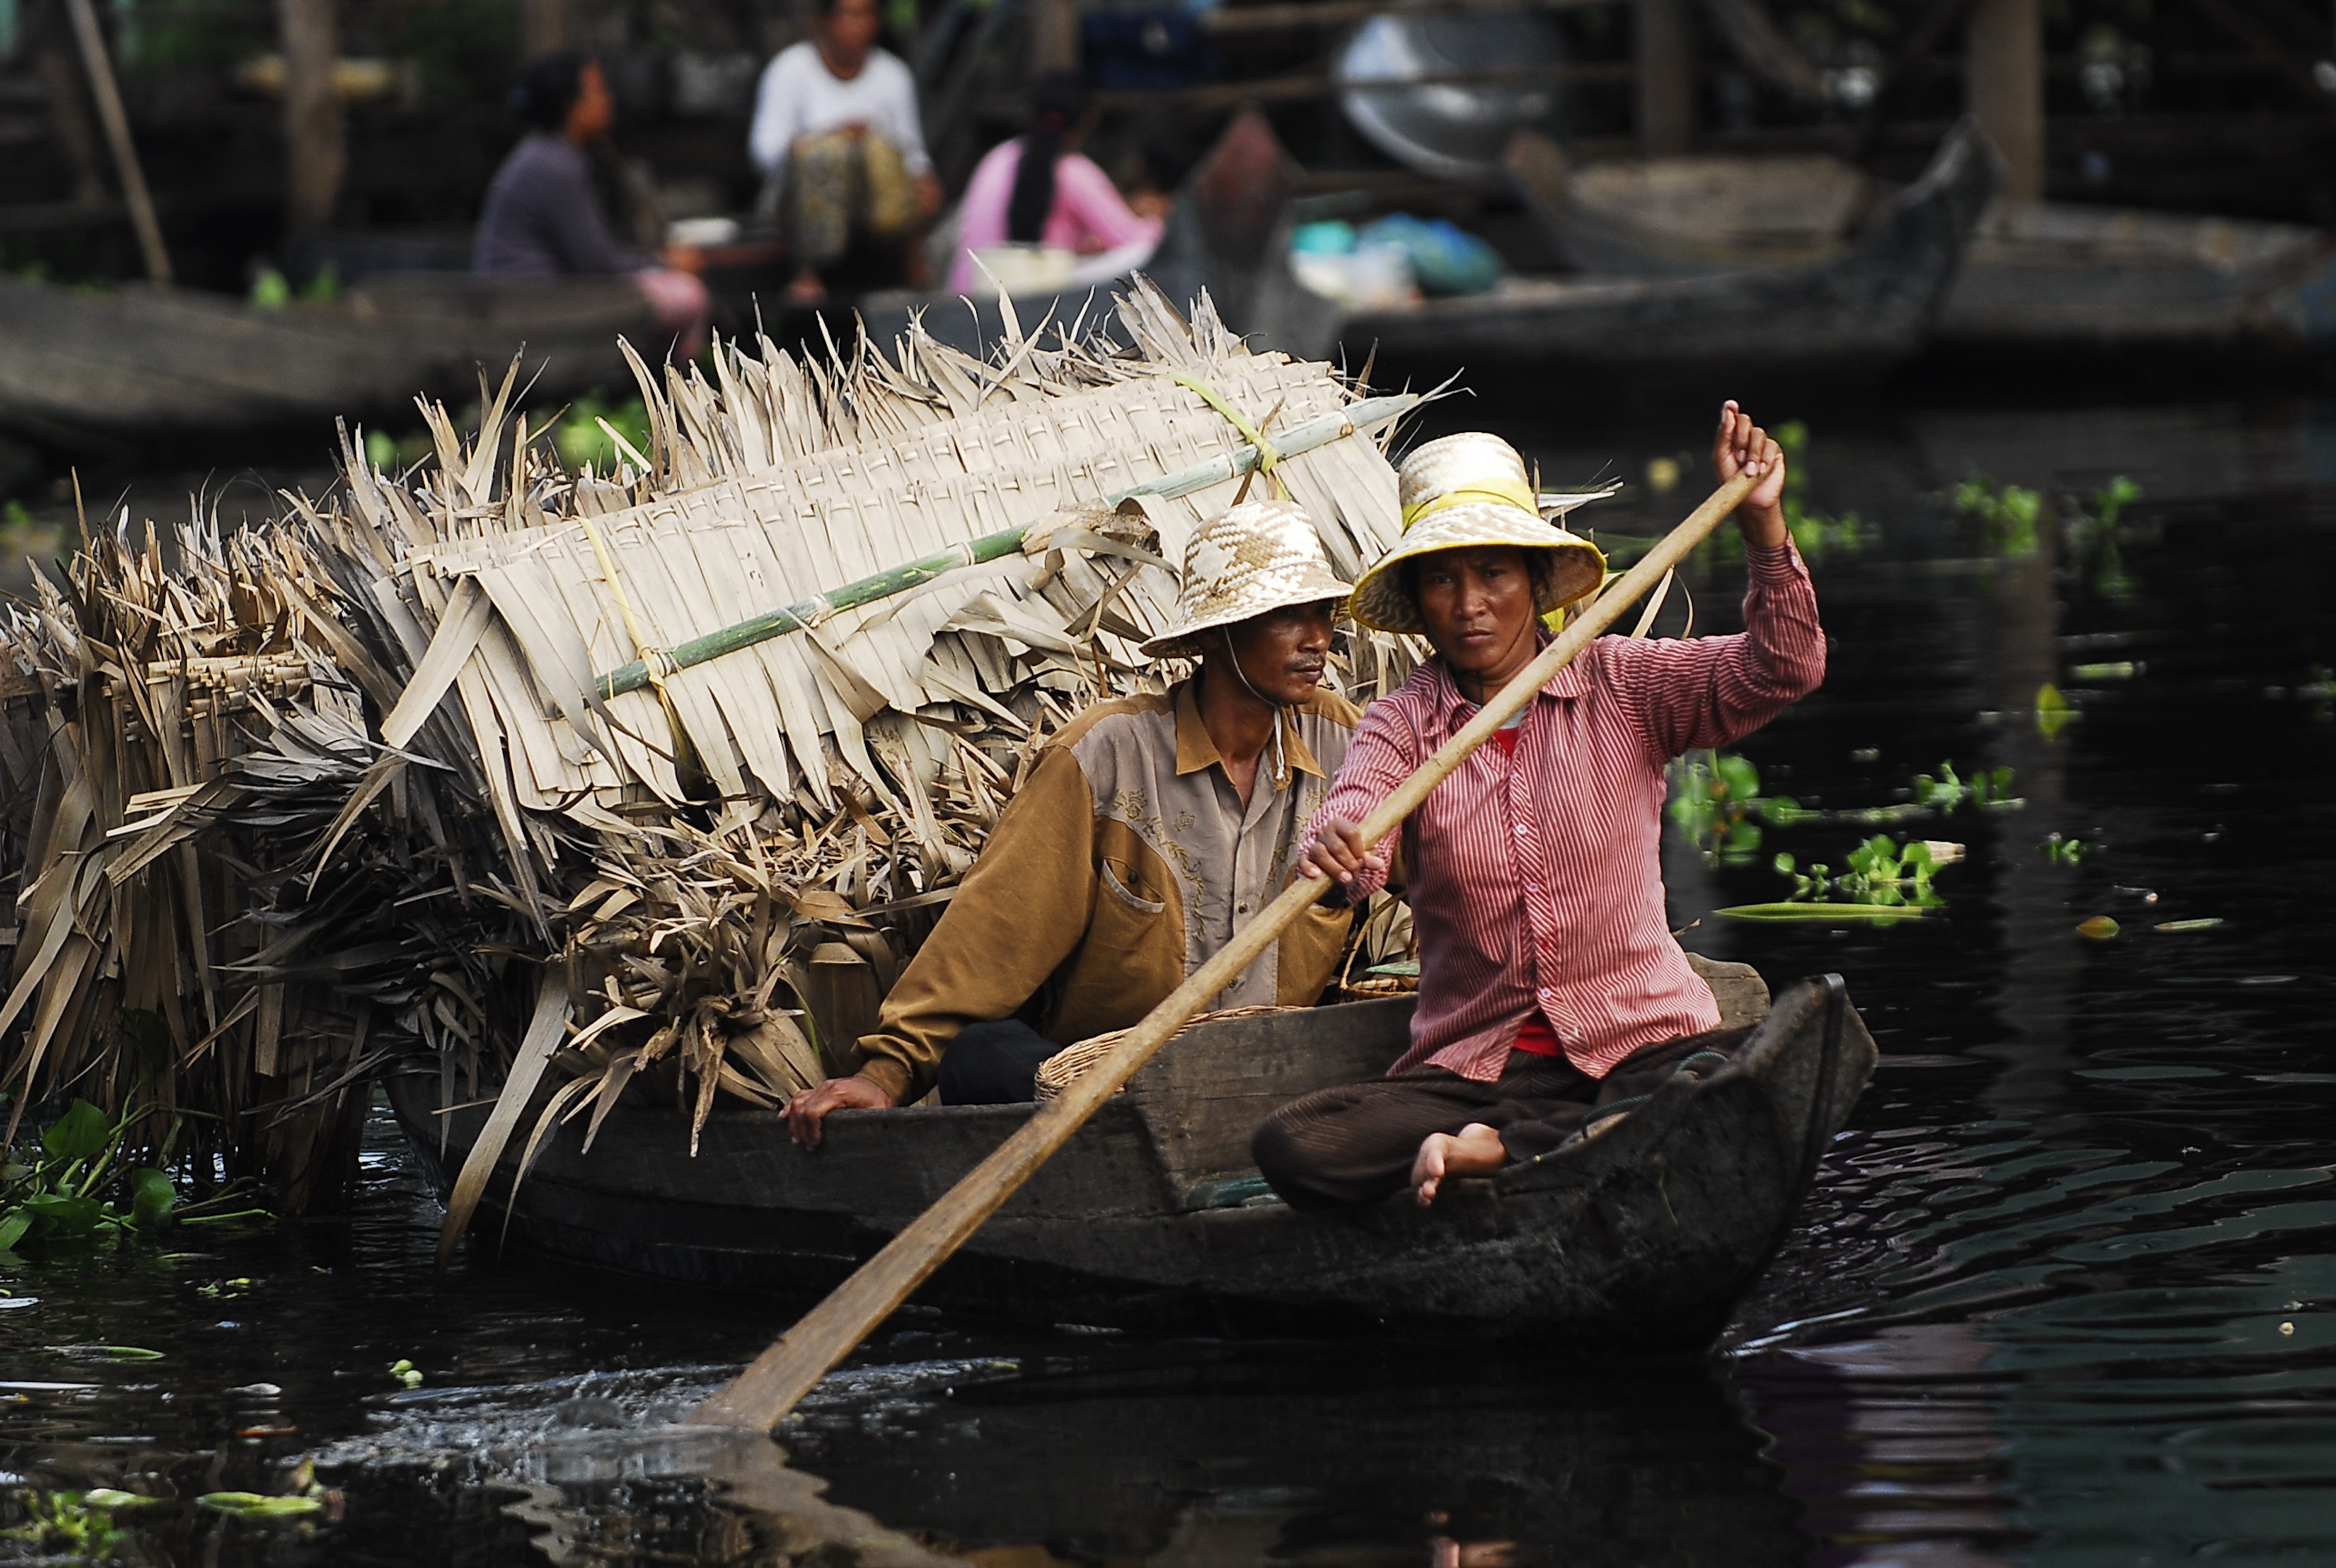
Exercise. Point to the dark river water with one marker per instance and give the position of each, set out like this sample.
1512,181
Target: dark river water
2063,1295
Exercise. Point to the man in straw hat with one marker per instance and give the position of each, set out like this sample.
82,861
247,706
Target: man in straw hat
1549,986
1152,829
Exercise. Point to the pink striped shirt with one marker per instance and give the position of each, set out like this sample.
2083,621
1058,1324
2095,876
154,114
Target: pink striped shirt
1536,880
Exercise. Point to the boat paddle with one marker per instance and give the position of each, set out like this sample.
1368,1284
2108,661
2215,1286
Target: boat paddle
761,1396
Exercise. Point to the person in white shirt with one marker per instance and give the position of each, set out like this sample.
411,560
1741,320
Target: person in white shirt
837,137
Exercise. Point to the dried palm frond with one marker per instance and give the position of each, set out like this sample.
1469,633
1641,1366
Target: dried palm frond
371,780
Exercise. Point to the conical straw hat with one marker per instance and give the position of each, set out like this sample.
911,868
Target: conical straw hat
1259,556
1472,489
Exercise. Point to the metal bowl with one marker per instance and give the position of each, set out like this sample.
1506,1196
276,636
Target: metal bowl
1448,129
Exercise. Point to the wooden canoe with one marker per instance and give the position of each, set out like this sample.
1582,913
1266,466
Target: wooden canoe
2037,275
1644,1233
1859,311
140,362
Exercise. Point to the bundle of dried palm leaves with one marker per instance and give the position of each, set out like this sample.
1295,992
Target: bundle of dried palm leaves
520,771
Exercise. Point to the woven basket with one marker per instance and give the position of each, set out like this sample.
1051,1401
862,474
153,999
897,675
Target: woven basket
1065,1068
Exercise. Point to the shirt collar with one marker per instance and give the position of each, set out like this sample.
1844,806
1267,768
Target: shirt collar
1453,709
1195,750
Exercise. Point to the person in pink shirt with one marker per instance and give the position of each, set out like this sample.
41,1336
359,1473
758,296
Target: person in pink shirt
1040,189
1551,988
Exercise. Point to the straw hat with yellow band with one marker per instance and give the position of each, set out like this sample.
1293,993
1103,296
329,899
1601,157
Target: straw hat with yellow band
1243,562
1468,489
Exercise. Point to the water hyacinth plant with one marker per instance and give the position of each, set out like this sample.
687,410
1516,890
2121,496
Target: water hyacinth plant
73,1184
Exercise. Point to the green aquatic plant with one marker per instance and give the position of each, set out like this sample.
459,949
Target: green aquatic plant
80,1523
1715,797
1817,533
2007,515
2093,535
2011,518
73,1186
1989,788
1882,871
2063,851
1716,801
270,290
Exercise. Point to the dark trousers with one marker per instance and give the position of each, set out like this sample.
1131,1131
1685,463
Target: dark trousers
994,1063
1355,1143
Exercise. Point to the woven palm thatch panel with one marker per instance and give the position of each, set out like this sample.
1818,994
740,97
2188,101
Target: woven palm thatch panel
767,720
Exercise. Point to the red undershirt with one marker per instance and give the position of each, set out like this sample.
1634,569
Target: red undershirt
1534,1036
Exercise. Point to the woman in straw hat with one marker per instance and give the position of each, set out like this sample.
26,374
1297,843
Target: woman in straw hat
1152,829
1549,985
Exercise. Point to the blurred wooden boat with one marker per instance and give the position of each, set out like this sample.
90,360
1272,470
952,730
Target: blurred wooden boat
2050,275
1645,1232
139,362
2036,275
1859,311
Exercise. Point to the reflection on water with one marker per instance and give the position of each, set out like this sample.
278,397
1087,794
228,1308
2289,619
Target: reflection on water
2064,1296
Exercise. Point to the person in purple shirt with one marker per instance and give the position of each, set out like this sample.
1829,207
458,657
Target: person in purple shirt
543,218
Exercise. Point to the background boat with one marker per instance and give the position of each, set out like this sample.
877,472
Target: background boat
2037,277
142,361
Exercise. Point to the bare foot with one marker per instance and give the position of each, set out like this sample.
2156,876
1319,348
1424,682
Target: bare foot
1473,1151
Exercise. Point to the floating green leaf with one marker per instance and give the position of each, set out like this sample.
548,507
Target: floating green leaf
256,1505
1816,911
108,1497
2206,924
2100,928
2053,710
81,1134
151,1197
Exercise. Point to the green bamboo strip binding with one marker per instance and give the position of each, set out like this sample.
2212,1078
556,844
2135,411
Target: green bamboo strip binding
1369,413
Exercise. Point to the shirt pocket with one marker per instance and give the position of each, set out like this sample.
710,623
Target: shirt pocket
1120,884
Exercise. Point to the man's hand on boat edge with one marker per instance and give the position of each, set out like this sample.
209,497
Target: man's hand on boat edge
807,1110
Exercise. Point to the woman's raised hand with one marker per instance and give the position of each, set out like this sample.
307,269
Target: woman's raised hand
1740,446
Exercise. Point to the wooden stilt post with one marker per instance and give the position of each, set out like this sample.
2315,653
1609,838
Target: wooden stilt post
74,134
2003,85
1666,78
543,27
1054,35
107,96
316,139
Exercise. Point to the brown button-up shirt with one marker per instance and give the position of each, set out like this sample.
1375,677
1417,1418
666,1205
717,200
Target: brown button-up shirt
1122,863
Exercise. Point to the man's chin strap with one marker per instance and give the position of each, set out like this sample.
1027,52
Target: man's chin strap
1280,759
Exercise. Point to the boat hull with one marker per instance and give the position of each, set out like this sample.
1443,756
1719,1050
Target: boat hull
1644,1235
143,363
1863,310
